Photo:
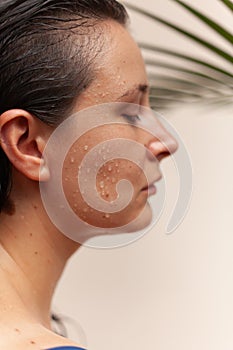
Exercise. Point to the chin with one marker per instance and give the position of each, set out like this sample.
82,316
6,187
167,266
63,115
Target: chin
142,221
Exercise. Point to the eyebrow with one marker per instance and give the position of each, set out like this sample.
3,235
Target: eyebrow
144,88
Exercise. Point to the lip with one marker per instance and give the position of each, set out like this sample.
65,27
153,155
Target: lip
151,188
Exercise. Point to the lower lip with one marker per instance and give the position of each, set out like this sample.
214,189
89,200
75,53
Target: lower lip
150,190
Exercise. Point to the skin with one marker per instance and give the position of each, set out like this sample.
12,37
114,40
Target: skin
26,295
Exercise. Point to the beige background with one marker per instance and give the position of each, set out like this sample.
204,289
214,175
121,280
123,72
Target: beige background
167,292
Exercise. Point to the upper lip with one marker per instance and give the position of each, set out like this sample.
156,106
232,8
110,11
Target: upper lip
151,183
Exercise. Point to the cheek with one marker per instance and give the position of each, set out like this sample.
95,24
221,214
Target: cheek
105,185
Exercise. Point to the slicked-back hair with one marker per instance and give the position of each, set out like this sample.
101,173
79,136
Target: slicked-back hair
47,57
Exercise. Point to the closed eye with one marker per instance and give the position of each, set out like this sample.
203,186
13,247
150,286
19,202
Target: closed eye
132,119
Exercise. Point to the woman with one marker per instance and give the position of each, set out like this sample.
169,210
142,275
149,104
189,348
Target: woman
58,57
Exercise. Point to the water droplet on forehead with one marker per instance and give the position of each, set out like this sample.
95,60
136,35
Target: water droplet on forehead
109,168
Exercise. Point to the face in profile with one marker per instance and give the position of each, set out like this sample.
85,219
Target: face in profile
120,80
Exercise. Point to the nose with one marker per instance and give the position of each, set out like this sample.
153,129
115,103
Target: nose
163,146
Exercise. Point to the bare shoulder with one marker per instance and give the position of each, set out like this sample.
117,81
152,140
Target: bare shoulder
33,337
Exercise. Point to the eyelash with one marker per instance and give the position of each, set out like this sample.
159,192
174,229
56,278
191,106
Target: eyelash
132,119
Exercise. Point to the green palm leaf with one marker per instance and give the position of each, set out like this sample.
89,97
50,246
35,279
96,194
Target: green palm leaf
177,68
207,82
185,57
185,32
228,3
212,24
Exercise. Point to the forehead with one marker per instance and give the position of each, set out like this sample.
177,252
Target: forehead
119,67
121,57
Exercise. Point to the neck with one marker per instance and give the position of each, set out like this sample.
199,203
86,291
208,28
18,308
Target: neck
33,255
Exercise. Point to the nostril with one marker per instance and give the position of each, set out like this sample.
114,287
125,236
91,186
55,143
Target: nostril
163,155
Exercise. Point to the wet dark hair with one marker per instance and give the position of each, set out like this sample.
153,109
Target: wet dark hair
47,53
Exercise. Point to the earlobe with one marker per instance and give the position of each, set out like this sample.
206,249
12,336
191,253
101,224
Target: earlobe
23,139
44,174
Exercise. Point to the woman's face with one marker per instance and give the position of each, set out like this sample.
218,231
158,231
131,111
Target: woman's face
120,77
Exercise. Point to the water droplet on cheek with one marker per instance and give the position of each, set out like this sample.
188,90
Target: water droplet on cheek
101,184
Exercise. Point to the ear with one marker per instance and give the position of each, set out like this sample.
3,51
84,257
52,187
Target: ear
23,139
